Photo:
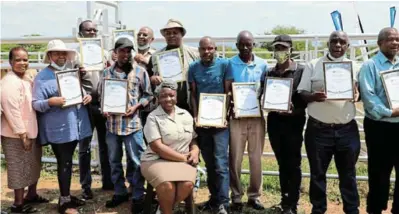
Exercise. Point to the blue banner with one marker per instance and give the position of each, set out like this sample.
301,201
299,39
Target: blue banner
337,20
392,12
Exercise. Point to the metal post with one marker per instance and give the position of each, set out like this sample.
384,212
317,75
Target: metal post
307,50
105,30
90,7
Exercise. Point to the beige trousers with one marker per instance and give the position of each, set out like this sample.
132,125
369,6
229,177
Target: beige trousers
251,130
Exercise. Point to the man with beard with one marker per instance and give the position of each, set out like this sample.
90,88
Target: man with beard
331,130
127,128
145,37
206,76
245,67
381,124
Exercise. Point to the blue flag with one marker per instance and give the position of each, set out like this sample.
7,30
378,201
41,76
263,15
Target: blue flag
392,12
337,20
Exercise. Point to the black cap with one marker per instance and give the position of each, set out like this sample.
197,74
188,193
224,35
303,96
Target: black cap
123,43
282,40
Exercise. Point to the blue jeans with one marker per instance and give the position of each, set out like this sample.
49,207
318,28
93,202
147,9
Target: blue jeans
214,145
323,141
134,146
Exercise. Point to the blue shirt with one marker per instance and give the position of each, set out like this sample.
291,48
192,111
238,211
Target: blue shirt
372,91
208,79
57,125
239,71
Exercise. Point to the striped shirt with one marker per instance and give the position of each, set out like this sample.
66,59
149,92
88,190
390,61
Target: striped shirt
139,92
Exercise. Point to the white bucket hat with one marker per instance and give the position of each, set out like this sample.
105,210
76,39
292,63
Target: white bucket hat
56,45
173,23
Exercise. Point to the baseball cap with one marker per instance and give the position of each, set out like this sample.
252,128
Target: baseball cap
123,43
282,40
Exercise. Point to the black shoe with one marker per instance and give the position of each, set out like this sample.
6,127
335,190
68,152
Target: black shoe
67,205
87,194
137,206
107,187
287,211
22,209
77,202
237,207
116,200
255,204
207,206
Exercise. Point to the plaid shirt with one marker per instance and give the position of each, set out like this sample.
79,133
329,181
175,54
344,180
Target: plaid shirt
139,87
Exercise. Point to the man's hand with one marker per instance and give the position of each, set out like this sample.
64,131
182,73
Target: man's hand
105,114
139,58
319,96
395,112
131,110
86,99
156,80
56,101
193,158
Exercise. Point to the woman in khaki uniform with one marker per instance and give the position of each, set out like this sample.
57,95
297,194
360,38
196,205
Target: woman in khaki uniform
169,162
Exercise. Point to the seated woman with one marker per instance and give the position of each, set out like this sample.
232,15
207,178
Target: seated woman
19,132
169,162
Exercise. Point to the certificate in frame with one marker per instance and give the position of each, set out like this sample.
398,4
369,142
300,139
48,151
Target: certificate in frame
338,80
390,81
212,110
69,87
91,53
245,97
173,70
126,33
114,97
277,94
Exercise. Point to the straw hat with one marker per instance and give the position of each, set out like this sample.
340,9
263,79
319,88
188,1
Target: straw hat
56,45
173,23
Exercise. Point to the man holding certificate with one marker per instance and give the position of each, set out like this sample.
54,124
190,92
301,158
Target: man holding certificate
331,128
206,76
245,67
381,123
174,33
126,127
285,127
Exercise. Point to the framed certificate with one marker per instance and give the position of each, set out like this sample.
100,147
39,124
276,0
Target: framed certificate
246,103
212,110
390,80
91,54
170,65
130,34
338,80
277,94
69,87
114,99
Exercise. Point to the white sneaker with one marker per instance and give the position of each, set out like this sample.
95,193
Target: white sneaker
222,210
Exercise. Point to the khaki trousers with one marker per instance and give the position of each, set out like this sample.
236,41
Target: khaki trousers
251,130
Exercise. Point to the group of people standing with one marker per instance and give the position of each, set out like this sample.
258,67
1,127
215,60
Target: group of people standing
163,143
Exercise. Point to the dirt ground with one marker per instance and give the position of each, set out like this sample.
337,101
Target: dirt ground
48,187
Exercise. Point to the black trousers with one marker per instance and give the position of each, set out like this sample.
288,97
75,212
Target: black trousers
383,154
63,154
98,121
285,135
323,141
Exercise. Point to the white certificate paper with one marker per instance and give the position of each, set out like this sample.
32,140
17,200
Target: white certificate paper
170,66
390,80
91,53
69,87
338,80
212,110
277,94
114,96
246,102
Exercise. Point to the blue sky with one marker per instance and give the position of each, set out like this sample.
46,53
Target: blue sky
200,18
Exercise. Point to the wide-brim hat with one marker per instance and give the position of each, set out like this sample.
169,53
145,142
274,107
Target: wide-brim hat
56,45
173,23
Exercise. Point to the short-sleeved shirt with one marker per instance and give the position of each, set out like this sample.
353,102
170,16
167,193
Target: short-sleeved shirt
331,112
208,79
239,71
176,133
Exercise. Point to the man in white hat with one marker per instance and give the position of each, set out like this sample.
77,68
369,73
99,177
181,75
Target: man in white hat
174,33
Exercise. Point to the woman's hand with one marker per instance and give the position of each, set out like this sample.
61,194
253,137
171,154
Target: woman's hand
86,99
193,157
